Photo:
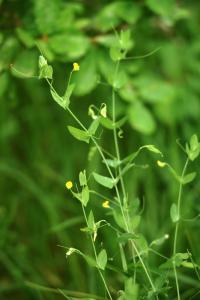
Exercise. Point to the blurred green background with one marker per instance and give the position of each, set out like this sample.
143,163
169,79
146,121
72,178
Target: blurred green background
159,95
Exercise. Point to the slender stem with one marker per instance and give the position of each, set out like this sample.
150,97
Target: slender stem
95,254
177,227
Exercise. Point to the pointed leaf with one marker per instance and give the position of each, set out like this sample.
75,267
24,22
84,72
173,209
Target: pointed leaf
85,195
174,213
103,180
189,177
102,259
79,134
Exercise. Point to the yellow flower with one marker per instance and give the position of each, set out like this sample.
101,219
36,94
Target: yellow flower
105,204
69,185
76,67
161,164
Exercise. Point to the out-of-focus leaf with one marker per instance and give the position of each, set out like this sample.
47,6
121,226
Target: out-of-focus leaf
26,62
141,119
174,213
102,259
71,45
25,37
86,78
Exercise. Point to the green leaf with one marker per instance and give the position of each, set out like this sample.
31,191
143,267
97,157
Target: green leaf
91,222
94,126
174,213
113,163
194,150
189,178
70,45
102,259
46,72
56,97
131,289
116,53
141,119
85,195
25,37
125,237
142,245
79,134
86,78
67,95
152,148
108,123
103,180
42,62
82,178
25,64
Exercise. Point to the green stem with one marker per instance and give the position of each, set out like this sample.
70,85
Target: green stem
95,254
177,227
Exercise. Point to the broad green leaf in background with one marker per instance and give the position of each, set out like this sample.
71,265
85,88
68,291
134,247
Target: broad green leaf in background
86,78
154,90
103,180
26,63
79,134
25,37
46,15
141,119
69,45
102,259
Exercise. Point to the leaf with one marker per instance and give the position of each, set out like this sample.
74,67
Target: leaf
42,62
103,180
131,289
174,213
152,148
79,134
82,178
125,237
71,45
102,259
108,123
141,119
85,195
194,150
189,178
46,72
142,245
86,78
67,95
91,222
116,53
25,37
113,163
56,97
93,126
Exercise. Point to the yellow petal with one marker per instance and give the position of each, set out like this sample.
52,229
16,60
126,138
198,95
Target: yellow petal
76,67
69,184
